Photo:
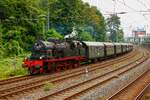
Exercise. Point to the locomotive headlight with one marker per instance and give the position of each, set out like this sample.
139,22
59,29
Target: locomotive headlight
24,59
41,57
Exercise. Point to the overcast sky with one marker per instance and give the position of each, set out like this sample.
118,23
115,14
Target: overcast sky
138,12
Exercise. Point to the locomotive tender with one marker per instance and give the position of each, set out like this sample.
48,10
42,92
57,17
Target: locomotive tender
56,55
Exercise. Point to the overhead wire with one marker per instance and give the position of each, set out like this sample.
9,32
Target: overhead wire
148,10
127,5
140,12
145,7
148,3
134,10
143,4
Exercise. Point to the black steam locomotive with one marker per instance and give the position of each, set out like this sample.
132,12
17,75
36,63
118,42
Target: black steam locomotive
56,55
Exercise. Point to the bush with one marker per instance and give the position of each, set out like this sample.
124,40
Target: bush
12,34
53,34
2,51
11,72
86,36
13,48
48,86
10,67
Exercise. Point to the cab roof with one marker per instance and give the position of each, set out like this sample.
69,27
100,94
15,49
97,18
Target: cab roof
88,43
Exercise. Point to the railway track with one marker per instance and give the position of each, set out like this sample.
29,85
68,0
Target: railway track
123,93
12,91
78,89
141,94
14,79
134,90
22,78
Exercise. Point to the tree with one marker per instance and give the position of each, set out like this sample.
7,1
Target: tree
64,15
120,36
13,48
52,33
1,35
113,25
85,36
22,13
95,19
22,22
1,46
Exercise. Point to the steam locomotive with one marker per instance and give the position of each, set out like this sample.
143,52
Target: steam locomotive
56,55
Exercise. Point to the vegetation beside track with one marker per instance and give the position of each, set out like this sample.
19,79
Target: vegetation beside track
22,22
12,67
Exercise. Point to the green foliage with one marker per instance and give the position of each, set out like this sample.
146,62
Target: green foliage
95,19
147,40
2,50
13,48
1,35
12,35
113,26
69,13
53,34
47,86
10,67
20,25
22,22
85,36
120,35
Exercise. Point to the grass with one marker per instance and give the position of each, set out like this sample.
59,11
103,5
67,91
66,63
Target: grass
12,67
47,86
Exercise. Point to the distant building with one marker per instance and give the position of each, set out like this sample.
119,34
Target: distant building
139,36
139,32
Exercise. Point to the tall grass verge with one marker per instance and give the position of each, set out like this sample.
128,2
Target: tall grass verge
12,67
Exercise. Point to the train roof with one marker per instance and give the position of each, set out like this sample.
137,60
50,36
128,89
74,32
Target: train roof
130,44
124,43
108,43
88,43
117,43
